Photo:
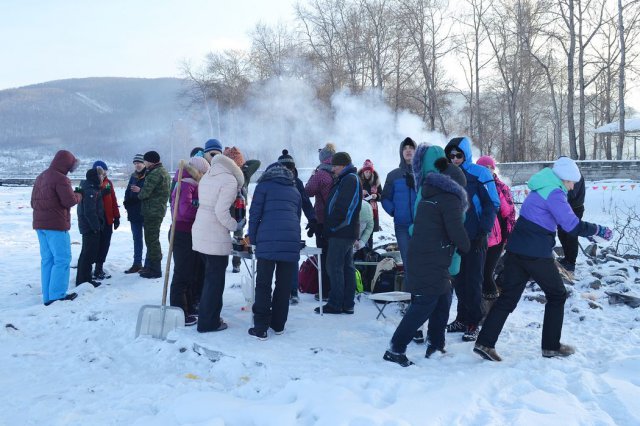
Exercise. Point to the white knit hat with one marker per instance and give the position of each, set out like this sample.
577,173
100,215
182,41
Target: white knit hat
566,169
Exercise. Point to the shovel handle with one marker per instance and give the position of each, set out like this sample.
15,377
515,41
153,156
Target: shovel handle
176,202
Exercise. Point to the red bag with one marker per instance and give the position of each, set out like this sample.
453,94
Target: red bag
308,277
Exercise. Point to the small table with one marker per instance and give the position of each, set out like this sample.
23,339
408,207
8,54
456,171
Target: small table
307,251
388,297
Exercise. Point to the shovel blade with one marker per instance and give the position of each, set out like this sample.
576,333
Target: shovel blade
157,321
591,250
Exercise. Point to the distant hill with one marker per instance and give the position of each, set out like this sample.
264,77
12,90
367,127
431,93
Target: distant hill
108,118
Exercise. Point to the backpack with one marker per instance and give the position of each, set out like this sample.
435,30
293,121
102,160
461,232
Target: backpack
385,282
308,277
367,272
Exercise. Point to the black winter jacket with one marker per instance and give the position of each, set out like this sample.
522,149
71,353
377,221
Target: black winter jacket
131,202
438,229
90,209
342,212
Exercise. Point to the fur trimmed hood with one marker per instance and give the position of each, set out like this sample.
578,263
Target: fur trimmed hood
228,164
436,182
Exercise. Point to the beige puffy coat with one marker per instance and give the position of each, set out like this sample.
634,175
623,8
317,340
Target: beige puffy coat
217,191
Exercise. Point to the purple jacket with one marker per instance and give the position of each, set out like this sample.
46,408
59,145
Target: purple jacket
544,209
319,186
188,205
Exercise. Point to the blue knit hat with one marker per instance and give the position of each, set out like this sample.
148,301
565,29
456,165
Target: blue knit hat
100,163
213,145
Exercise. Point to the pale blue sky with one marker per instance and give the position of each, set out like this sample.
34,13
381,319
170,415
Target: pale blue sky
57,39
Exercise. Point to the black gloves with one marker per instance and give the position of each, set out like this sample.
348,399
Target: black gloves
78,190
312,228
116,223
408,177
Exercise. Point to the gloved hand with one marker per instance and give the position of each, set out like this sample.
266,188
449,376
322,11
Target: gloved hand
408,177
78,190
116,222
604,233
106,190
312,228
241,224
195,203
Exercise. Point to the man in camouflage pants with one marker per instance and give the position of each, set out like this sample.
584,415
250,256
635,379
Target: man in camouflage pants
154,196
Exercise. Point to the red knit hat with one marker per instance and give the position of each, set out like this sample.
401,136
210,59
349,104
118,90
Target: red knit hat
235,154
368,165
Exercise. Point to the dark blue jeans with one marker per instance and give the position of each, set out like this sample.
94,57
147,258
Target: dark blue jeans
434,308
136,231
272,310
211,300
403,237
342,273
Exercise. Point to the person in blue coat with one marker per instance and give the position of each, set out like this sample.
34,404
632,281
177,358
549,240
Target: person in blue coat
398,198
274,228
484,203
287,160
133,206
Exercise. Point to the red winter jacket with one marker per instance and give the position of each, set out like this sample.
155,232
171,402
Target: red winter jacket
52,196
110,203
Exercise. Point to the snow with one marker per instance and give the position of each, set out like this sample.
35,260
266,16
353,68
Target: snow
630,125
77,363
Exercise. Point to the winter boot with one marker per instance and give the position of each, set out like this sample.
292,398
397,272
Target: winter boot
431,349
456,327
328,309
258,334
136,267
236,269
190,320
418,337
95,283
400,359
487,353
98,272
471,334
154,270
562,351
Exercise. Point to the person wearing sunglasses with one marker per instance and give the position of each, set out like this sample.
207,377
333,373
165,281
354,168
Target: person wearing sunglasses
484,203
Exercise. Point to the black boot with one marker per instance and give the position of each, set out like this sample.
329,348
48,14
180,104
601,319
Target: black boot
400,359
154,270
99,273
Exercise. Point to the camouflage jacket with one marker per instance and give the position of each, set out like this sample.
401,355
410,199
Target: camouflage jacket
155,192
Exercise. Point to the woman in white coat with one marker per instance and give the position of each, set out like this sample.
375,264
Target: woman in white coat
211,235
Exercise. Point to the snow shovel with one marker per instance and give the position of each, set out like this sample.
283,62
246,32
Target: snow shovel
157,321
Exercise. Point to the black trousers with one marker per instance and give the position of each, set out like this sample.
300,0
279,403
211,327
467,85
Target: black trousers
184,269
468,283
105,243
432,307
272,310
568,242
211,300
493,255
88,256
517,271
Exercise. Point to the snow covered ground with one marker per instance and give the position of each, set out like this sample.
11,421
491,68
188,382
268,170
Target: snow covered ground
77,363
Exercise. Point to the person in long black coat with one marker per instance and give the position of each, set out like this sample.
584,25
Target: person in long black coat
438,231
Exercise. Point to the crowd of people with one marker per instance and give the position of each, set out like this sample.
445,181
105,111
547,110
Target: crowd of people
453,219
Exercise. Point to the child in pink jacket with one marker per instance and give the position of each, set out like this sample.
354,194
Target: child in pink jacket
505,221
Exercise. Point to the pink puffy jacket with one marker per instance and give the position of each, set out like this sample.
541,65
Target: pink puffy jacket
506,217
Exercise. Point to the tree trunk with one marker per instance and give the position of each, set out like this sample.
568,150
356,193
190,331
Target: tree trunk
571,86
621,82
